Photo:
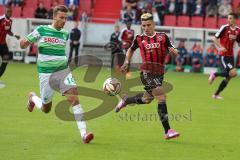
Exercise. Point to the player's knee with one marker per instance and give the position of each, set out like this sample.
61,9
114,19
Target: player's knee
161,98
159,91
233,73
73,100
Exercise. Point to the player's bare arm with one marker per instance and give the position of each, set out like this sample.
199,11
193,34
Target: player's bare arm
14,35
217,43
128,58
24,43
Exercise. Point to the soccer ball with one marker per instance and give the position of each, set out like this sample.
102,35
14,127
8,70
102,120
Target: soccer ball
112,86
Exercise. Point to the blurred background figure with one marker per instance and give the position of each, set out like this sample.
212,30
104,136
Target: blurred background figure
41,11
197,57
224,9
75,36
211,56
182,57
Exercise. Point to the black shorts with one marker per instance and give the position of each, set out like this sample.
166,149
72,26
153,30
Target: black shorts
227,63
151,81
4,53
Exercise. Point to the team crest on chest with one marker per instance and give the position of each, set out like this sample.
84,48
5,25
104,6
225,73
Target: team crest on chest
159,38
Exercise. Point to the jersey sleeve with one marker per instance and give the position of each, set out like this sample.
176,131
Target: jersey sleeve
134,45
220,32
168,42
34,36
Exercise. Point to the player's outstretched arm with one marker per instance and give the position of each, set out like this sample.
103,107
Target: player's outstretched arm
24,43
128,58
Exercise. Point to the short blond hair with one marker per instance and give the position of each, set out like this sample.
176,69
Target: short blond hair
146,16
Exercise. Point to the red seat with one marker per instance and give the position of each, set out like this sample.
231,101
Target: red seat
170,20
238,22
210,22
183,21
222,21
29,13
197,22
1,10
16,12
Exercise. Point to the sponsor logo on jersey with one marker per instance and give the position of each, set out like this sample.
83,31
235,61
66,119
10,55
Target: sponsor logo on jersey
159,38
53,40
232,37
152,46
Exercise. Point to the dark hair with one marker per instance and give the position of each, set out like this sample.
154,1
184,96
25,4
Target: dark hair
146,16
233,14
60,8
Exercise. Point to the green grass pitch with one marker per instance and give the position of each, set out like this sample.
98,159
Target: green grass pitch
209,128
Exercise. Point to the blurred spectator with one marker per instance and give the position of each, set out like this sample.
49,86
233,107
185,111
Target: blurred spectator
131,3
199,8
155,17
141,4
197,59
129,15
211,56
224,9
41,11
50,12
160,8
211,9
185,7
181,58
73,12
71,2
12,2
238,60
221,1
75,36
84,16
171,7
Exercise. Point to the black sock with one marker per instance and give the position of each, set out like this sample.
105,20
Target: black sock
135,100
221,86
222,74
3,68
163,115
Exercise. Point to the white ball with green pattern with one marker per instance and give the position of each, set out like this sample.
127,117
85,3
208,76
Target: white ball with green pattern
112,86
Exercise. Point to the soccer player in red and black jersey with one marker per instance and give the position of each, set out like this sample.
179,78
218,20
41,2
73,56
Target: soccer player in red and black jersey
225,39
126,38
153,48
5,28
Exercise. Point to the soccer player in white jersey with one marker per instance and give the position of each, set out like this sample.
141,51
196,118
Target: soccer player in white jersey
53,69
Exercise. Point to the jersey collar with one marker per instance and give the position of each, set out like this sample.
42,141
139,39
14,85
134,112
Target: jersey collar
150,36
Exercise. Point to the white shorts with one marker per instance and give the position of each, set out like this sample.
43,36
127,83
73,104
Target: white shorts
60,81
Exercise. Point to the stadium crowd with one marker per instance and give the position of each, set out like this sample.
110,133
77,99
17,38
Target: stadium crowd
132,9
46,13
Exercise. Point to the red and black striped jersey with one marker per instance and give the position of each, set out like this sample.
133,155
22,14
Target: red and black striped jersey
127,36
153,51
228,35
5,28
